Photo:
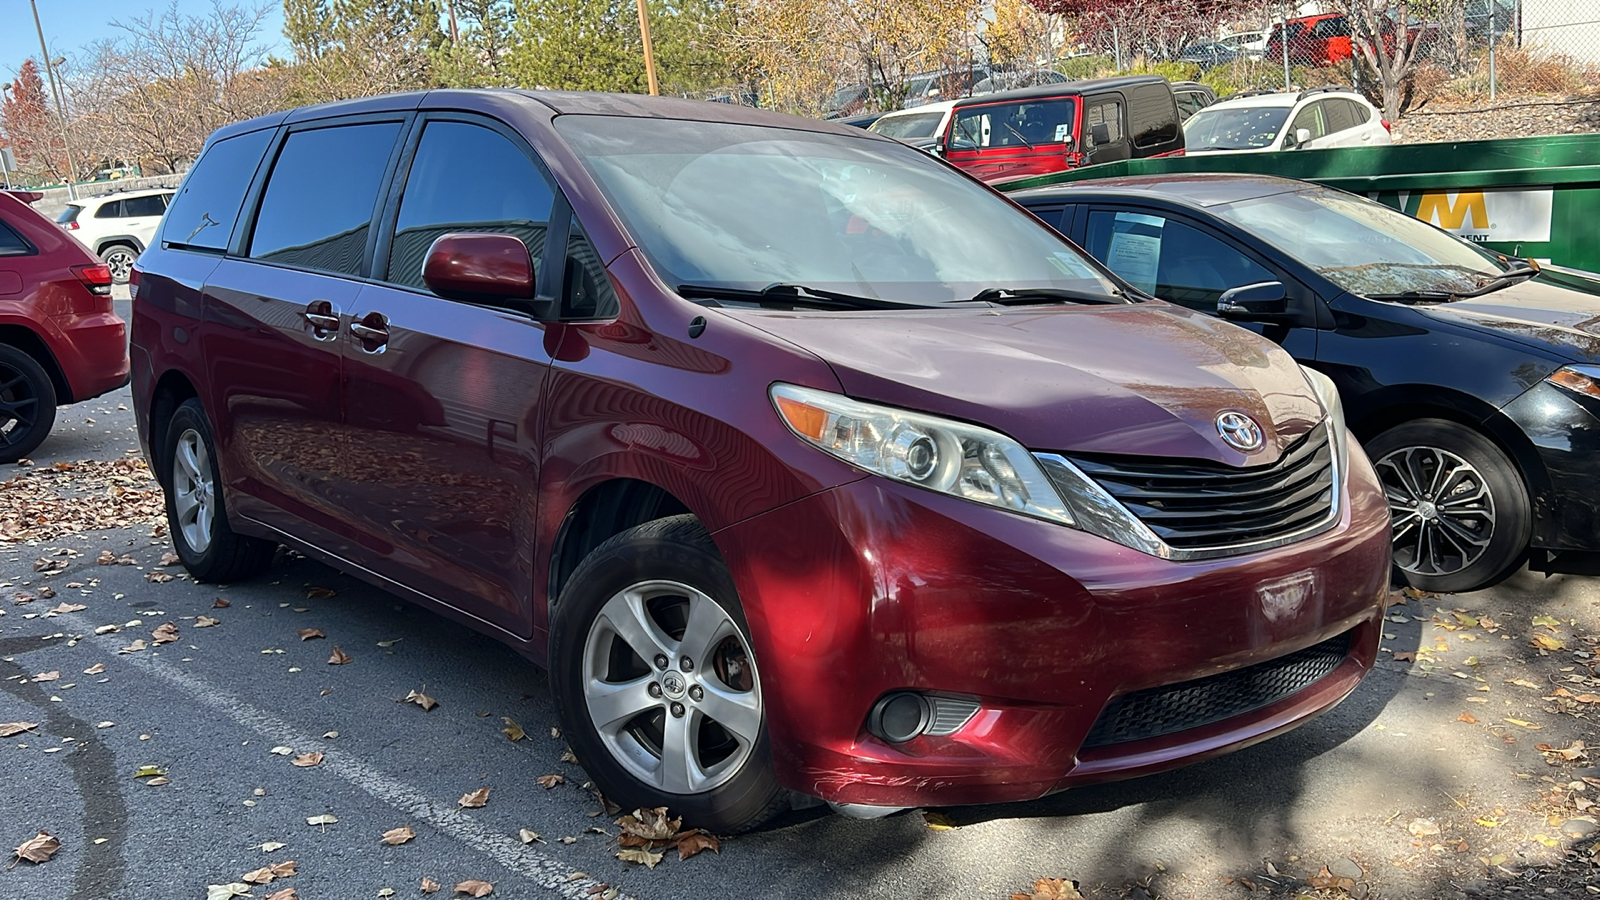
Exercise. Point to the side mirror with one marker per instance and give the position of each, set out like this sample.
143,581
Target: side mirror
1101,134
493,269
935,148
1302,137
1263,301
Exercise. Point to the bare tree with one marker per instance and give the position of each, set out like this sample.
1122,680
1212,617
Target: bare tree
1379,31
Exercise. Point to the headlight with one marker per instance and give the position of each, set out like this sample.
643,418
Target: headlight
1583,380
938,454
1333,407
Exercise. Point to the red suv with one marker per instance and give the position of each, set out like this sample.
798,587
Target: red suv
59,340
802,462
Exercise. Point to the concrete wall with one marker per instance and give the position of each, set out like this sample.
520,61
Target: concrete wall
55,199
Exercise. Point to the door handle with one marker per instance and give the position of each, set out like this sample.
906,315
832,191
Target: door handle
320,316
372,329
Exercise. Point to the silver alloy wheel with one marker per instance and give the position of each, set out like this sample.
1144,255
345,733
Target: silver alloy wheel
1440,508
194,493
120,261
671,687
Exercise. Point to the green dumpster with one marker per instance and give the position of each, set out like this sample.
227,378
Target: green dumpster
1537,198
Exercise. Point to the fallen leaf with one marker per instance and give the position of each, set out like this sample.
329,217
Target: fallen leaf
157,577
429,886
319,593
95,669
1546,642
164,634
567,839
475,799
149,772
1405,656
1423,827
285,894
324,819
394,837
38,848
386,892
65,608
281,750
307,760
47,676
134,647
307,634
157,781
263,875
1051,889
938,821
512,729
1326,880
227,891
1489,823
474,888
695,841
11,729
550,781
220,603
1574,752
1467,718
1528,725
1546,621
106,558
389,643
206,621
643,857
529,837
270,846
339,657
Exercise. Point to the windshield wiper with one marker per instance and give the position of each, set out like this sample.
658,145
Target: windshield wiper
1040,296
789,295
1504,279
1020,137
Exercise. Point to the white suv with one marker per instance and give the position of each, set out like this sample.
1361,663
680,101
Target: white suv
1259,121
116,227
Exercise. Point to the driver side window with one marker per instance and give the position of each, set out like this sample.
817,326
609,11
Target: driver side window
1170,259
1312,119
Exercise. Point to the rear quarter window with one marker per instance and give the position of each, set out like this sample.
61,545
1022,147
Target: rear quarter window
11,243
203,213
111,209
1152,115
69,215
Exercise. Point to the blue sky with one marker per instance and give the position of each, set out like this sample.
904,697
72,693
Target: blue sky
71,25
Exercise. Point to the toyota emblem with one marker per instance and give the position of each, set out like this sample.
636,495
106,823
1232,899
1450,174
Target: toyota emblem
1240,431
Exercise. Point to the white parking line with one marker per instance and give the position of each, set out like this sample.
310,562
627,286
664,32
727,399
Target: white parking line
542,870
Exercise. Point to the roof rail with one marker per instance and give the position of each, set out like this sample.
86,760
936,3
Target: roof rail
1254,93
1328,88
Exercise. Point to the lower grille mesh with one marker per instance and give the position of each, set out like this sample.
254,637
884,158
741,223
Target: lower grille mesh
1191,704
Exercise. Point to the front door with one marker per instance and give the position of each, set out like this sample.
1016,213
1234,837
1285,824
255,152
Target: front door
441,398
270,335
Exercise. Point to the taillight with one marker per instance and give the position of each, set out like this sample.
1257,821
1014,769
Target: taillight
73,225
96,278
1386,126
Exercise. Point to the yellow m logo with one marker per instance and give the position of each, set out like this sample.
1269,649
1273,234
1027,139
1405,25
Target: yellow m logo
1436,208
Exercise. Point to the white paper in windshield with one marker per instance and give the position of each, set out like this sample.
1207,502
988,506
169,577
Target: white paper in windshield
1135,251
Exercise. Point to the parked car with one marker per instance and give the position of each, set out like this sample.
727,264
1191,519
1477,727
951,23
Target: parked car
116,227
1191,97
1209,54
60,342
931,87
1249,44
1039,130
794,455
920,127
1261,122
1009,81
1469,376
1320,40
864,120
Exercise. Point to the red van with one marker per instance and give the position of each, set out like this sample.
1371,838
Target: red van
1039,130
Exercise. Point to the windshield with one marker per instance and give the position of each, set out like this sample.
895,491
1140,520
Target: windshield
746,207
1365,247
921,125
1240,128
1025,123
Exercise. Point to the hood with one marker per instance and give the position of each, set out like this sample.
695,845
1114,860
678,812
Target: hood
1148,379
1560,319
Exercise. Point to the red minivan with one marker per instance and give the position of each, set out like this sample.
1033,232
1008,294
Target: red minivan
805,465
60,341
1052,127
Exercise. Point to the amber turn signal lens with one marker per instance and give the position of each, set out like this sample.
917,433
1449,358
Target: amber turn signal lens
803,418
1577,382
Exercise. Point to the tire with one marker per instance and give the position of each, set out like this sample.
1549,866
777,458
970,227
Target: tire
119,258
27,404
197,513
664,584
1459,508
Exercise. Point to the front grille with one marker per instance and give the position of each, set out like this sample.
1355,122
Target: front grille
1191,704
1195,505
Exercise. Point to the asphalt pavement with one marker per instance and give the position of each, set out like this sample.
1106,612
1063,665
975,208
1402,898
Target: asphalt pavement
1392,788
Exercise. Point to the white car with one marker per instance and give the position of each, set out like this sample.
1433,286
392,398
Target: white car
1257,122
920,127
1249,44
116,227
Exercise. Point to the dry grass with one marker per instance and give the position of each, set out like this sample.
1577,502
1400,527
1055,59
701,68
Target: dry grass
1525,71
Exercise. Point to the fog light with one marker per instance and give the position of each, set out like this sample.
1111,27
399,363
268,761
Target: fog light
899,717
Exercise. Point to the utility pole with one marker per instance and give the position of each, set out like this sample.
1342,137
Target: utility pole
649,53
61,108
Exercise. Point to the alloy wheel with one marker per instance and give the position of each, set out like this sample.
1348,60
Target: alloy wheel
120,262
194,496
1440,508
19,405
671,687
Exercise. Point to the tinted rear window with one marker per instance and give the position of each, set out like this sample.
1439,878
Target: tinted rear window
203,212
319,201
69,215
11,243
143,206
111,209
1152,115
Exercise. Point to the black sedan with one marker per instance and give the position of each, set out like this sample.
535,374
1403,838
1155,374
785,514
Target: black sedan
1472,378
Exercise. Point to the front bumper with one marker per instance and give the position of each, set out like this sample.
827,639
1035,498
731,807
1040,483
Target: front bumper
1565,432
873,587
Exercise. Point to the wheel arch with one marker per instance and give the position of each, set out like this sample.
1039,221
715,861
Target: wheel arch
112,240
28,341
601,512
172,389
